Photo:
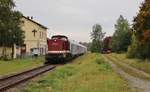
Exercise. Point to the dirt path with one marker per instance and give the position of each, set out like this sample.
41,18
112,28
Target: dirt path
133,69
135,82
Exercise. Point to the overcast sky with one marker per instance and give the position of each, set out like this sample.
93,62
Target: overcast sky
75,18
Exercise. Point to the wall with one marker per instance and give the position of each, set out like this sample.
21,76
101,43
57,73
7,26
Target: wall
39,40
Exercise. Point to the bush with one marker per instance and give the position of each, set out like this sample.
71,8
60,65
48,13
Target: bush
132,50
103,65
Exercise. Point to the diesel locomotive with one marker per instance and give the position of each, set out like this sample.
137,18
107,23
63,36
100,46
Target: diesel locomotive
61,48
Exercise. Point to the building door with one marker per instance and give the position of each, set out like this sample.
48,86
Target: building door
23,49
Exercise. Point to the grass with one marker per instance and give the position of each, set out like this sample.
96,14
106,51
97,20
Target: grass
89,73
19,65
143,65
125,68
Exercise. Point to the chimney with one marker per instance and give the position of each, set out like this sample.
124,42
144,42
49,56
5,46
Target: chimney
31,17
28,17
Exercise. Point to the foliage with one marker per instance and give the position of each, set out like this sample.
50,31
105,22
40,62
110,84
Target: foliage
142,23
133,47
122,37
87,44
10,25
97,37
141,26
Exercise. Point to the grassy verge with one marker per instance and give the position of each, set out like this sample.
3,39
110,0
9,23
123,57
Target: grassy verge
89,73
18,65
137,63
125,68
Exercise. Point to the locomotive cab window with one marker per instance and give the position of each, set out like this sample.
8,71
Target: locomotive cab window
60,37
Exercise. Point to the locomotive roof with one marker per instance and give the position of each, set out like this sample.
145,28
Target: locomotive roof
60,36
74,42
71,41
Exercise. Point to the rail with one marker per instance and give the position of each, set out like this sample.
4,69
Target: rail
13,80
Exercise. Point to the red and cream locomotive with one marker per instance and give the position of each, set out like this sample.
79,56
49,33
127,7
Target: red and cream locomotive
60,47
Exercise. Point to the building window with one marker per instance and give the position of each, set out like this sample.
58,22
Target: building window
41,35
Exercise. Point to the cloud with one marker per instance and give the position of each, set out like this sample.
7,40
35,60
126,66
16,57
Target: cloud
75,18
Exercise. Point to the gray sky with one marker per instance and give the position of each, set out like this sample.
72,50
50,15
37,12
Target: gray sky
75,18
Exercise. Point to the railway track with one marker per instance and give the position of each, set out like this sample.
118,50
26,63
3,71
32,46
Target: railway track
14,80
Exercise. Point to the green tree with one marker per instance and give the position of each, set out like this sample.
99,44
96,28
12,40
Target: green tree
141,25
133,48
10,26
122,37
97,37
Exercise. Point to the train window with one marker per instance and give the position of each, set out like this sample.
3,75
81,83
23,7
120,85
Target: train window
63,39
58,37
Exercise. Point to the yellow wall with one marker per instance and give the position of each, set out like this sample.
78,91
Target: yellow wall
8,51
31,41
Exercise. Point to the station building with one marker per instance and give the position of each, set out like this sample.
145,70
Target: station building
35,41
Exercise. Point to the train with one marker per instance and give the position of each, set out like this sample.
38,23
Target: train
61,49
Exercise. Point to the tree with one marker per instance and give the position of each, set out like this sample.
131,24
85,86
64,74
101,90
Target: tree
141,25
97,37
122,37
133,48
87,44
10,26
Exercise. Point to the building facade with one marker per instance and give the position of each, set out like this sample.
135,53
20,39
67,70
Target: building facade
35,41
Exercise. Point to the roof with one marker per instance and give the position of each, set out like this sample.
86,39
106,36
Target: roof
59,36
35,22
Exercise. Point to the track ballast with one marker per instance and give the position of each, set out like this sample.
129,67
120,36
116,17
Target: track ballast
12,81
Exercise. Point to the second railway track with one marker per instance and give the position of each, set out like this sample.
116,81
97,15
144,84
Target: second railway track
12,81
